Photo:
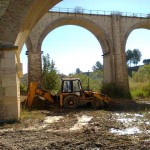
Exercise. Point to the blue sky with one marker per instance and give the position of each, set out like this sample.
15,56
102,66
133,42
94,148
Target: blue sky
74,47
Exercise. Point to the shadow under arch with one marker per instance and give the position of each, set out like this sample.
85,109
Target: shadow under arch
96,30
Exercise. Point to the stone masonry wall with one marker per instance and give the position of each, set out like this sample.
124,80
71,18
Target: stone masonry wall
35,66
9,87
3,6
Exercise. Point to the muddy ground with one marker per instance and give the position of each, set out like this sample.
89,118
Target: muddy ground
123,126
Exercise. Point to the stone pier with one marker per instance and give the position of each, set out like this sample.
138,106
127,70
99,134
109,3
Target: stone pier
10,71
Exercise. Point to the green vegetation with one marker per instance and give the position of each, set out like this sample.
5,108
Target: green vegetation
94,78
140,82
30,116
23,87
23,84
97,66
146,61
133,56
50,78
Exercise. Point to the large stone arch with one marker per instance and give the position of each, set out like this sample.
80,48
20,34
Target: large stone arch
109,31
95,29
143,24
17,18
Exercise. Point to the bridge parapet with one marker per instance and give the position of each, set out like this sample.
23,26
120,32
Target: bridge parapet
98,12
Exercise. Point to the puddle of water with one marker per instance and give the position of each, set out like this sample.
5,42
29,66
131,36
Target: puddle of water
138,115
130,121
52,119
126,120
148,123
127,131
48,120
82,121
29,129
6,130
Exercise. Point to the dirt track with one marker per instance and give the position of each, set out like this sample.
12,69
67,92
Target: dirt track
83,128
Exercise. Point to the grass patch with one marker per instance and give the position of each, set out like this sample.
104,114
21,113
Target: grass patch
26,114
139,90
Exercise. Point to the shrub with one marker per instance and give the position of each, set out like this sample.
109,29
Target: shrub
140,83
23,87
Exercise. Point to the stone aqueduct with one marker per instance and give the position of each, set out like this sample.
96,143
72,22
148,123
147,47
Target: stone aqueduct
30,18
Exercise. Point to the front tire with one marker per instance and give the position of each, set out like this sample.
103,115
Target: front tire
71,102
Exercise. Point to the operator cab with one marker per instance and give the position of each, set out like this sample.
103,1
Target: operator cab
71,85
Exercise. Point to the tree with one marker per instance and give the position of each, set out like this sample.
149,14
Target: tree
133,56
146,61
78,70
78,10
97,66
129,56
143,74
136,56
50,79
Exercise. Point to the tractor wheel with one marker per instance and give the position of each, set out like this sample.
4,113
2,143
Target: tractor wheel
71,102
96,104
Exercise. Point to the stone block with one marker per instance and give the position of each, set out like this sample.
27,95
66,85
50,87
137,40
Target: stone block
1,116
11,113
1,54
8,63
6,75
11,91
7,72
10,71
2,91
2,72
9,54
1,102
10,100
0,82
8,82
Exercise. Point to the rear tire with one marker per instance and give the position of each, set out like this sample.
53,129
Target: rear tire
71,102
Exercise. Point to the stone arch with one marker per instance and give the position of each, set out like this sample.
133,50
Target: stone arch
95,29
143,24
17,18
31,18
29,44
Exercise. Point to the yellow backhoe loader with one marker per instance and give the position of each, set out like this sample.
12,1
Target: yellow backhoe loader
71,95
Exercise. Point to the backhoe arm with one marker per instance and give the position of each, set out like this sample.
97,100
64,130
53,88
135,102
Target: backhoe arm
36,90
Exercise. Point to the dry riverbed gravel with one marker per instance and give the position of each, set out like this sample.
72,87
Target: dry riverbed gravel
120,127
